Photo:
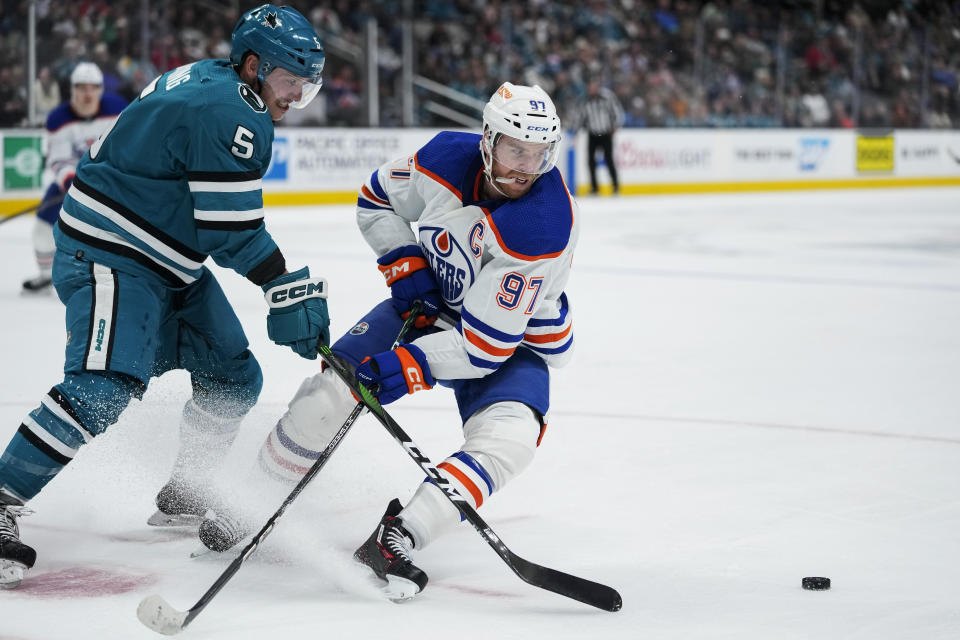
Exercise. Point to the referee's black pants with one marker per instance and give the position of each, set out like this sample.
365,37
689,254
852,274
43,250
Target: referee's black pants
602,142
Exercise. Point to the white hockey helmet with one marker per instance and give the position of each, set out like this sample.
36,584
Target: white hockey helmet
86,73
526,114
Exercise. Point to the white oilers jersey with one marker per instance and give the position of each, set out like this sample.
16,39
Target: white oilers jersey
69,136
501,265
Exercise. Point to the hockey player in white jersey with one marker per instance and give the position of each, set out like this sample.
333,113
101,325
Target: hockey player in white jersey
70,129
497,228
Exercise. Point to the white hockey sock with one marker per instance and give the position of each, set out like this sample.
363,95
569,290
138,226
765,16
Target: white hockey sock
205,439
500,442
315,413
43,246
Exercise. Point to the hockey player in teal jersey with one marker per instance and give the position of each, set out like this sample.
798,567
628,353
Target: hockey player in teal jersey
176,179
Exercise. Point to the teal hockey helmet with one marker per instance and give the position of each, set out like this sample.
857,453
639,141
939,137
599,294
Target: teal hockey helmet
283,38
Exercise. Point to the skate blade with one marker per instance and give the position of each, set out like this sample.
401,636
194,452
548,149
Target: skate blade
11,574
203,549
400,589
395,588
45,290
161,519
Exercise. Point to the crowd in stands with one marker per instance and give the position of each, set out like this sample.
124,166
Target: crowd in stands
672,63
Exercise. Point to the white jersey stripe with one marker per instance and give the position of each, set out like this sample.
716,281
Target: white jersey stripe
160,247
101,321
225,187
548,330
103,234
58,411
228,216
48,439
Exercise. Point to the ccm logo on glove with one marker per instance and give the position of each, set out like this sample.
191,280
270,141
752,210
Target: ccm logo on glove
284,295
396,373
410,279
414,380
402,268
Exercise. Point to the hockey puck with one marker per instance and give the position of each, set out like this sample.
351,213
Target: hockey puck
815,584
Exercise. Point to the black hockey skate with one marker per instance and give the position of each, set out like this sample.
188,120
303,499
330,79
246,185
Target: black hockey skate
15,557
38,284
387,553
221,531
178,506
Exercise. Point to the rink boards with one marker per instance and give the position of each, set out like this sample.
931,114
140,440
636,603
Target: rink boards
327,166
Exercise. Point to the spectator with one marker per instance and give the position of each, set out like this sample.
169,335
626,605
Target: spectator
672,62
13,103
816,109
47,93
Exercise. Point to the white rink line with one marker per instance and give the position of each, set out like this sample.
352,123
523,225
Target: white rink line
749,277
719,422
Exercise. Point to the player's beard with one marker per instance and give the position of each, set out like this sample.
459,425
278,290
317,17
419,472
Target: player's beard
513,185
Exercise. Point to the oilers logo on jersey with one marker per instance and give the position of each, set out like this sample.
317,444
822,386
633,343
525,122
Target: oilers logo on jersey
501,265
359,329
453,266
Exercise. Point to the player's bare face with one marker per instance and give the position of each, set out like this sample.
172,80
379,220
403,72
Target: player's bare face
85,99
516,165
281,90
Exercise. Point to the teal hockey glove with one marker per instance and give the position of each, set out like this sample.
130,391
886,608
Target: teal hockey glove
298,312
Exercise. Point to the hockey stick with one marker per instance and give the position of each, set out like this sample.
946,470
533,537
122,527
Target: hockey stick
30,209
592,593
16,214
159,615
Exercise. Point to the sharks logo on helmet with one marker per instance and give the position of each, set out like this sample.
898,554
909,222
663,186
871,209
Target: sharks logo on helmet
280,37
271,20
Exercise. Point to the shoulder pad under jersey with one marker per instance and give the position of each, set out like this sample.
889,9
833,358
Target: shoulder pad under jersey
539,224
228,102
111,104
61,115
447,157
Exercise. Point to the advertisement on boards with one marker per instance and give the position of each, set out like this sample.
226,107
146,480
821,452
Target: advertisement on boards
875,154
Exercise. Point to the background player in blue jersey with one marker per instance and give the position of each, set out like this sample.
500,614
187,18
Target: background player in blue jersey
175,180
71,128
496,231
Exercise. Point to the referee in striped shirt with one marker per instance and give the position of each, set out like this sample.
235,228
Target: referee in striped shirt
601,115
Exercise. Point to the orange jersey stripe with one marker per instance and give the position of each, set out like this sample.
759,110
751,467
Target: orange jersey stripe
521,256
464,480
547,337
510,252
369,195
482,344
438,179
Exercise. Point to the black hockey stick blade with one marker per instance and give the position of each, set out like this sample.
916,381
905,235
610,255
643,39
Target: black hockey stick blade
580,589
32,208
593,593
16,214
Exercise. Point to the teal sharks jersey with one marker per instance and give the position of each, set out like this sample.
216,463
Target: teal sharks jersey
177,178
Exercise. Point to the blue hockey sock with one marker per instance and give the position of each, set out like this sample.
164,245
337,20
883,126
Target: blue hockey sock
69,416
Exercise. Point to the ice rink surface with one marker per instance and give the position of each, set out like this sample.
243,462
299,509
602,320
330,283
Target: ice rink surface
765,387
